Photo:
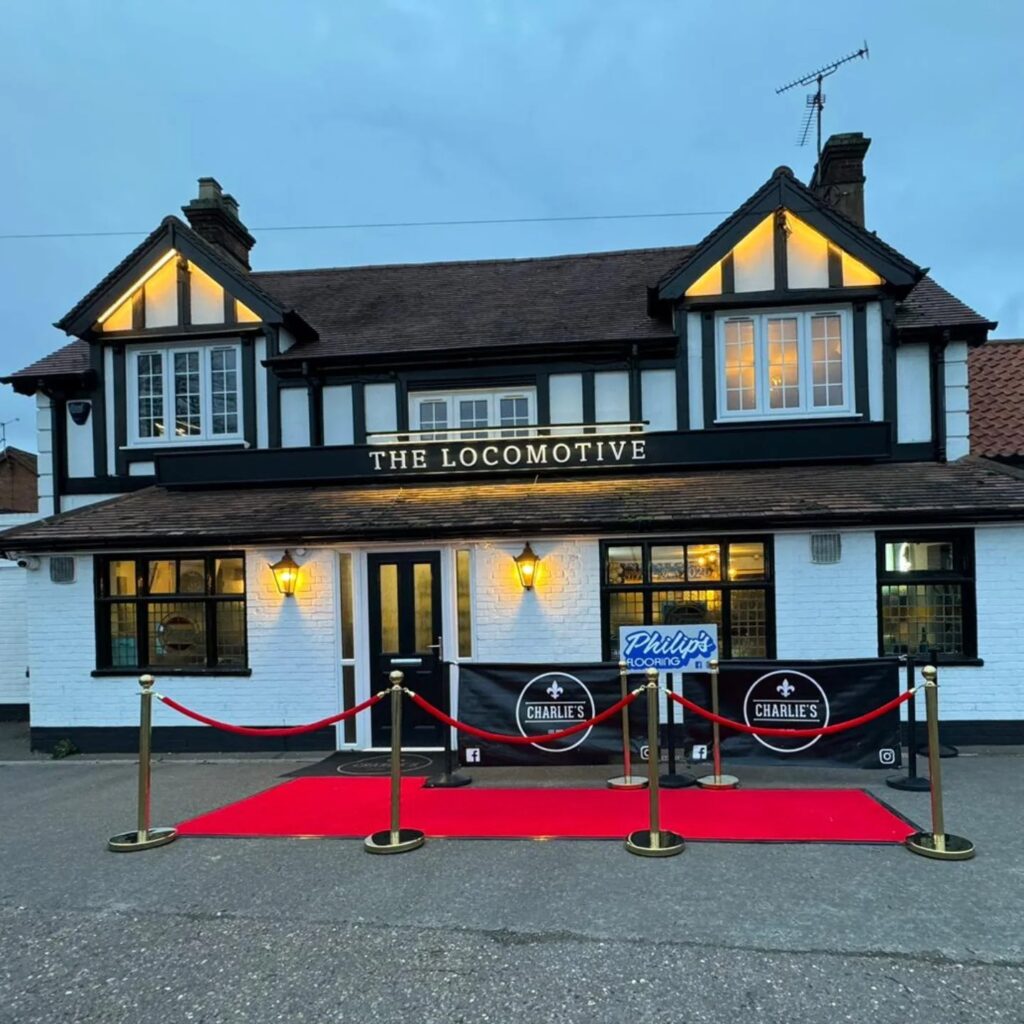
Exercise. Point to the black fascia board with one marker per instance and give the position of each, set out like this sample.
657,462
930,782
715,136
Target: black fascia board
782,191
527,354
973,334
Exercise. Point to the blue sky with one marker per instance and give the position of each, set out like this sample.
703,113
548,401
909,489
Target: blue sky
315,112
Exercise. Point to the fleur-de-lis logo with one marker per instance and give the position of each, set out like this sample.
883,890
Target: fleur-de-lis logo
554,691
785,688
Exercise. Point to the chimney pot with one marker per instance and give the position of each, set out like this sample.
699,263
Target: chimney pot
839,175
213,215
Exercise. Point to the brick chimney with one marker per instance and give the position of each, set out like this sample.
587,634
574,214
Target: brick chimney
214,215
839,175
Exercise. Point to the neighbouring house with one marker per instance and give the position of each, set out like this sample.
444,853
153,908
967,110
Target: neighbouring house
768,429
997,400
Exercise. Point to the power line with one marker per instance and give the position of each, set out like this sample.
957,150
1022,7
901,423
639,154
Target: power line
398,224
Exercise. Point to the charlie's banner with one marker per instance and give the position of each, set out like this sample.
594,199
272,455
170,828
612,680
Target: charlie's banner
535,700
802,695
669,648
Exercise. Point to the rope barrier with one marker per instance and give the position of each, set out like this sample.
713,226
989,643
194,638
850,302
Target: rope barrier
288,730
827,730
499,737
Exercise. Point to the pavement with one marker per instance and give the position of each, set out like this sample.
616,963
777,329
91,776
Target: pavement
226,930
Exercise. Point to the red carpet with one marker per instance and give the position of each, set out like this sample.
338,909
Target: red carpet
355,807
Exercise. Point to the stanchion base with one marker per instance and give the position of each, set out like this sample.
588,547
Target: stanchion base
916,784
627,782
945,750
956,847
380,842
642,843
718,782
676,780
128,842
446,781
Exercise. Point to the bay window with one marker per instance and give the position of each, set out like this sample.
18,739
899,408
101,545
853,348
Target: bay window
184,394
784,364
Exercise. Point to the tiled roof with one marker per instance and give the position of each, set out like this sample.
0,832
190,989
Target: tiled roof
759,499
930,305
72,358
996,378
476,304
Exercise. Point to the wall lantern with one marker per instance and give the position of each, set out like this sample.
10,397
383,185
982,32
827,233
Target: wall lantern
526,566
286,574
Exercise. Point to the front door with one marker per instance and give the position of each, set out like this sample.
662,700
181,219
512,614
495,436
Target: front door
405,634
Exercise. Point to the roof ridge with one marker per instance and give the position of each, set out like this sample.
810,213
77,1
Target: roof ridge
476,263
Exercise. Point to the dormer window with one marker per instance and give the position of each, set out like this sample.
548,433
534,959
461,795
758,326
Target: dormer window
784,364
182,395
472,414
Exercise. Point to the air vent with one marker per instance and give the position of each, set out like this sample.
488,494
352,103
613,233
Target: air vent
826,548
62,569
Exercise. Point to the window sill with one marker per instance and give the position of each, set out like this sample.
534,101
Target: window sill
130,673
803,417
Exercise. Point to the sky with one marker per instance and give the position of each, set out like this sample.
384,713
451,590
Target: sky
314,112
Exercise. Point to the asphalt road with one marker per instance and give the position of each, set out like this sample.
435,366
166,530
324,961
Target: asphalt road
222,931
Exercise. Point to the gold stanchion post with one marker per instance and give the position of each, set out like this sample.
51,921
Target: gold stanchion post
627,780
145,837
654,841
937,844
716,780
395,839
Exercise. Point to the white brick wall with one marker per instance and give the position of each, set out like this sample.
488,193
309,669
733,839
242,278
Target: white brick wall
13,628
559,620
292,653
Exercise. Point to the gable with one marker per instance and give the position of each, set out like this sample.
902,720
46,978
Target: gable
174,279
785,239
173,291
812,261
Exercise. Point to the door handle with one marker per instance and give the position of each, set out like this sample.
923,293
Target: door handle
437,646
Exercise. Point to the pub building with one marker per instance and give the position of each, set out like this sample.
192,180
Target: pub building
268,488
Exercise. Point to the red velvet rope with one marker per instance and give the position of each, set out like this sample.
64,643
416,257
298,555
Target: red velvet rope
500,737
826,730
287,730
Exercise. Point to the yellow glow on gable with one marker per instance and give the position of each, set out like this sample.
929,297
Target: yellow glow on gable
121,318
126,295
709,283
244,315
754,258
806,255
207,297
855,274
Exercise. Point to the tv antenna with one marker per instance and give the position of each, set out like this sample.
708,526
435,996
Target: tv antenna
3,432
816,101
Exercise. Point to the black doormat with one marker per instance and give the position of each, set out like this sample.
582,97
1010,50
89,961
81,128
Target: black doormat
372,763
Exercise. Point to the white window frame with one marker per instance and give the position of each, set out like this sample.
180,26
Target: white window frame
167,353
806,410
493,399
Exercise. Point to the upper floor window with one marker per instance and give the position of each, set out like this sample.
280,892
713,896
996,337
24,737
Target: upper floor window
784,364
471,414
184,394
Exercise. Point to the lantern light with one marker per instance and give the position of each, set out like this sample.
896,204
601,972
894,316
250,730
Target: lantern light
526,566
286,574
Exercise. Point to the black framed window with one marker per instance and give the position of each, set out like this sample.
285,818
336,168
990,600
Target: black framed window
926,594
727,581
171,613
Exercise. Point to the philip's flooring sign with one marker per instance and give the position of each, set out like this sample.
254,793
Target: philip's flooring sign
668,648
803,695
537,700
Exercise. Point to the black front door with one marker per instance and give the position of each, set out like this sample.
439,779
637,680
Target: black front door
405,634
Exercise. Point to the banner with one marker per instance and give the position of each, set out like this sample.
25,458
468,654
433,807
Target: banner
534,700
802,695
669,648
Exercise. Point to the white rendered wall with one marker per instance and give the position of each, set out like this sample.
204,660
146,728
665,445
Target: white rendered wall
558,621
262,425
611,396
694,371
876,396
338,425
658,399
913,394
381,408
13,627
293,648
958,424
80,450
565,397
294,418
